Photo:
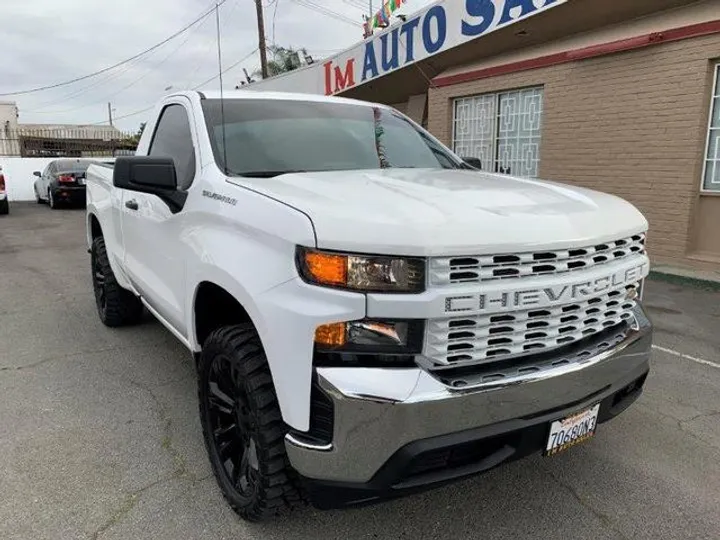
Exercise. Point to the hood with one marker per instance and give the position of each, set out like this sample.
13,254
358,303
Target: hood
428,212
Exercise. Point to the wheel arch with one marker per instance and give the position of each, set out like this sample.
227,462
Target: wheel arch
214,307
94,229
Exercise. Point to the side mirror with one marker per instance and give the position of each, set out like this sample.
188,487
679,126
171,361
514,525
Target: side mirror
474,162
37,173
145,174
153,175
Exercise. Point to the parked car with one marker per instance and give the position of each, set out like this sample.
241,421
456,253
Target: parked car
368,316
62,182
4,203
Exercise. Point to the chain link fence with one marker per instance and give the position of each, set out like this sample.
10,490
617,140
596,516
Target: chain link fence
57,142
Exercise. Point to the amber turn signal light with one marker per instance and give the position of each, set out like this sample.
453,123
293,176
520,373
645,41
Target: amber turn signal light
331,335
326,268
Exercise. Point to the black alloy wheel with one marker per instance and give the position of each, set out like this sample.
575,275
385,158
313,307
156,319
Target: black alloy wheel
233,427
242,426
98,276
115,305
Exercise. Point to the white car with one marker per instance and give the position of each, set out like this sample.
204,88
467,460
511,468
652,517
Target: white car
369,315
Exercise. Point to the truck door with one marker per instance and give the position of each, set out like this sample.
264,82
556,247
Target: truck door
154,252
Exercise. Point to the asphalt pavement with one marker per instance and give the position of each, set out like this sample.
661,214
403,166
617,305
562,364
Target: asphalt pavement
100,438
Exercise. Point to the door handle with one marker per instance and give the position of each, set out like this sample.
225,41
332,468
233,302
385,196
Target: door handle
132,204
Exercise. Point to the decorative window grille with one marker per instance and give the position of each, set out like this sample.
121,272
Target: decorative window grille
711,172
503,130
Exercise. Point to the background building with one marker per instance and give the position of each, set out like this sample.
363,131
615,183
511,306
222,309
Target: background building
618,96
58,140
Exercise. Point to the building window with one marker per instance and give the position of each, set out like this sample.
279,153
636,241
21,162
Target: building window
502,130
711,176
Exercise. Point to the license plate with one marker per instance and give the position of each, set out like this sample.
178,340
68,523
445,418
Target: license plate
572,430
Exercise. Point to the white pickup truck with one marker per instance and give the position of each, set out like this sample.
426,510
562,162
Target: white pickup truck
369,315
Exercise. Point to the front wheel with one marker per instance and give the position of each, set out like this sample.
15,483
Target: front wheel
242,425
116,306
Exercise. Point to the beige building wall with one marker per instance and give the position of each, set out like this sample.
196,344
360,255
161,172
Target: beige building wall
631,123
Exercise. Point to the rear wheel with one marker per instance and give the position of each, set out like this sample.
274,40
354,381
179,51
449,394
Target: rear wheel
116,306
51,200
242,425
4,207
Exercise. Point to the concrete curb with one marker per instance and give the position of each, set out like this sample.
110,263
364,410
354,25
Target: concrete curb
696,282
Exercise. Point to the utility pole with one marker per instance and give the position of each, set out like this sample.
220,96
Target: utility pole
368,30
261,39
110,112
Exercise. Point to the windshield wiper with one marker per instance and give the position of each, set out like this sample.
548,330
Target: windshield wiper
266,174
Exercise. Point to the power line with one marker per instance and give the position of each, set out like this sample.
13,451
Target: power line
232,66
209,43
125,116
277,2
325,11
105,70
133,82
360,4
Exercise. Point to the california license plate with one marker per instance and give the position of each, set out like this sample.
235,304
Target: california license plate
572,430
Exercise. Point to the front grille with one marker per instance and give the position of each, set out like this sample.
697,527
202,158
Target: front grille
471,269
459,456
489,338
577,354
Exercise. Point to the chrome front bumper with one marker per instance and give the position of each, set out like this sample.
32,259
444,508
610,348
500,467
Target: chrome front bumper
379,411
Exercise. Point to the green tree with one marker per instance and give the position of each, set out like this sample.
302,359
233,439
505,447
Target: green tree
135,139
284,59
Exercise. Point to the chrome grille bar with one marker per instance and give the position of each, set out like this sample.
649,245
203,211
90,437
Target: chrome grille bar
470,269
480,339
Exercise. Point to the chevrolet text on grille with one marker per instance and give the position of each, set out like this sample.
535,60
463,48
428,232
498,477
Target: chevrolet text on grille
543,296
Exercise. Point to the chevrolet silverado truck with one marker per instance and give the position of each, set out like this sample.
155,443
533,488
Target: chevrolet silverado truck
369,315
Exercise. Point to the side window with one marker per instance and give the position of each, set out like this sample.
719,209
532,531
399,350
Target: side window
49,170
173,139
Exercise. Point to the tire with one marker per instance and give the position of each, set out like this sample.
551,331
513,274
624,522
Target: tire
51,200
116,306
242,426
4,207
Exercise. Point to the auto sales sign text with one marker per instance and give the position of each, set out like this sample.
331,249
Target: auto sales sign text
441,27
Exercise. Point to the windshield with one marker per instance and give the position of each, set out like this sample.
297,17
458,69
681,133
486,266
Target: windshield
270,137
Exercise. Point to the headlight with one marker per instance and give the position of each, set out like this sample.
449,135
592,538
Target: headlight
366,273
371,337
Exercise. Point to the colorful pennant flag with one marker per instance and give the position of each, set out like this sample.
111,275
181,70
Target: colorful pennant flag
381,19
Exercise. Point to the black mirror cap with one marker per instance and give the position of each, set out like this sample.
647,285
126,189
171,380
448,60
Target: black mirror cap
145,174
475,163
37,173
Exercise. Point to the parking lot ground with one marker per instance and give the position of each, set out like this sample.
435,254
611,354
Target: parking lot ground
100,438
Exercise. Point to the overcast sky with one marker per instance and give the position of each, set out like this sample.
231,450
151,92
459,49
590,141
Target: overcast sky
51,41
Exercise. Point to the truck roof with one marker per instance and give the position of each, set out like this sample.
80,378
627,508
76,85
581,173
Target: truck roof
294,96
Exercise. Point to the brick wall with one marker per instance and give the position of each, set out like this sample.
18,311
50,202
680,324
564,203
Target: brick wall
631,123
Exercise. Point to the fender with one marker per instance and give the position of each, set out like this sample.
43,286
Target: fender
286,317
111,247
